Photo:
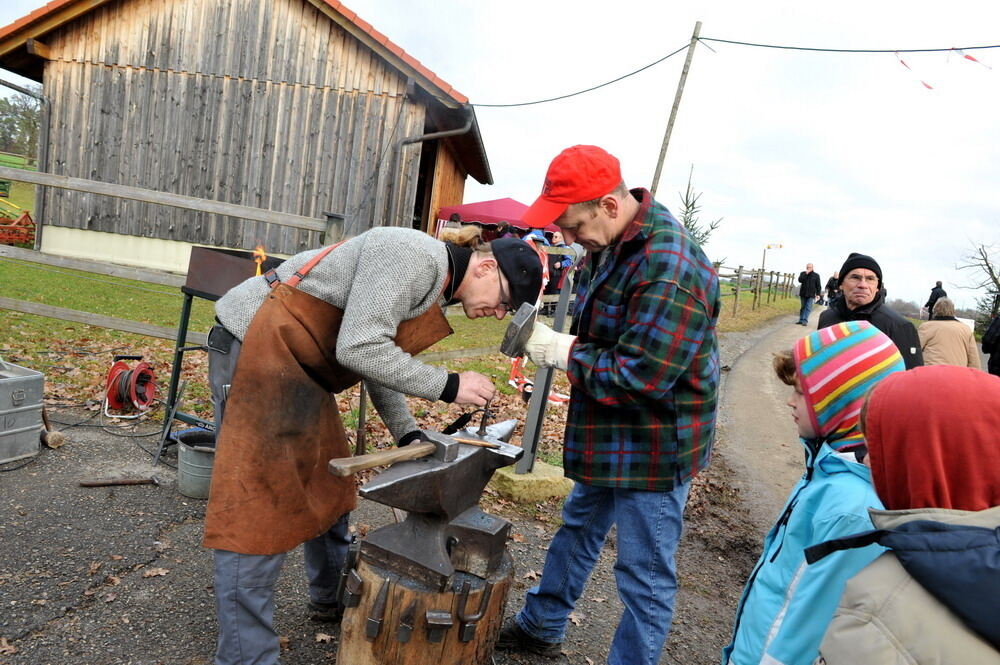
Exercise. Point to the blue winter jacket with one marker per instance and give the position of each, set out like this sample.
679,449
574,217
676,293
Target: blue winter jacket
787,604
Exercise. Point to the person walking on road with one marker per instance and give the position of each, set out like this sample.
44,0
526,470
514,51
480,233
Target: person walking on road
810,290
643,363
864,300
991,345
832,287
944,340
936,294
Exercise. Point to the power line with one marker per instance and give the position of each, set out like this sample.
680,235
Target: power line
847,50
753,44
574,94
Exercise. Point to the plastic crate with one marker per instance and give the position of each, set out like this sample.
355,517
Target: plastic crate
20,411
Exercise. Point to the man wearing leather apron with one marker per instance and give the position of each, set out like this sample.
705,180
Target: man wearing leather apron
286,341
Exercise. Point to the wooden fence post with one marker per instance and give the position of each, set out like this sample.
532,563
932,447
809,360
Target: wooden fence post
756,288
736,296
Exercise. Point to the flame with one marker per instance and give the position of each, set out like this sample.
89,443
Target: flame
258,256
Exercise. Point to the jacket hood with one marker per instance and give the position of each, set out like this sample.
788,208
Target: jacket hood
931,434
836,367
955,556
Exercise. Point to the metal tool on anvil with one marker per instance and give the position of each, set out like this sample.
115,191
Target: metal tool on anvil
444,530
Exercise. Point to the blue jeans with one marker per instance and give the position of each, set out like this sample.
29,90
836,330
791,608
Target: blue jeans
807,306
649,528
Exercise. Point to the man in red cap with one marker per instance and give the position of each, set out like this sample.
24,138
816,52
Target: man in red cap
643,363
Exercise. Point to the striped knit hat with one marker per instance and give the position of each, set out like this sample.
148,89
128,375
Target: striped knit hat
837,366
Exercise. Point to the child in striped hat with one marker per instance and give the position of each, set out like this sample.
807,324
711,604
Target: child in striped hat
786,604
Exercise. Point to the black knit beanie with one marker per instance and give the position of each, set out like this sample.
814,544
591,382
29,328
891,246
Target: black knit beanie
856,260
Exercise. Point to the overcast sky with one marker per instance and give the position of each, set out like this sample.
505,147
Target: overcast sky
825,153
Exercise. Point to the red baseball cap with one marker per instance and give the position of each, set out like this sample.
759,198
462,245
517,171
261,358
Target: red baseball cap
577,174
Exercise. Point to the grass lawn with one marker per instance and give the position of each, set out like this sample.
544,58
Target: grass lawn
22,194
75,358
15,161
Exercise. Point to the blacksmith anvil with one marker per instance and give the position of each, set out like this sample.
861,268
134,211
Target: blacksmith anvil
444,530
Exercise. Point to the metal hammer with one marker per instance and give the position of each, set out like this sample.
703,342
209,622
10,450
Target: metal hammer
441,446
519,330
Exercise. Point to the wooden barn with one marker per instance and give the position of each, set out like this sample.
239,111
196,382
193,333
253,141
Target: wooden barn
297,106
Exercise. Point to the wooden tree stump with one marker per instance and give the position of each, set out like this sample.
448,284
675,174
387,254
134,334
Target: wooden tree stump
408,602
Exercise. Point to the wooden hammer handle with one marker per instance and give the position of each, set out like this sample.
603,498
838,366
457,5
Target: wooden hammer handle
345,466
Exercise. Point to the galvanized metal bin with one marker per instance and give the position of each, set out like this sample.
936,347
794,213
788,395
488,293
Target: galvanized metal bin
20,411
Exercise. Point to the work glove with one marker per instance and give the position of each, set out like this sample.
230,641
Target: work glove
548,348
416,435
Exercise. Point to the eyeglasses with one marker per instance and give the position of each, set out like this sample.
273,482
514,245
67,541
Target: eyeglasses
504,298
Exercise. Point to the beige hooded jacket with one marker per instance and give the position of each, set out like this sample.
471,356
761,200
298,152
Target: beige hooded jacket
885,617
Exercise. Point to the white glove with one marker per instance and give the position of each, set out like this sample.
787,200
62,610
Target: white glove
547,348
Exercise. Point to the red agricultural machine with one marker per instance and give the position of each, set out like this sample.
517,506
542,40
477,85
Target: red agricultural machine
16,225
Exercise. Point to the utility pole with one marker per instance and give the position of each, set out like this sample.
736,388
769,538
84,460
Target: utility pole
673,110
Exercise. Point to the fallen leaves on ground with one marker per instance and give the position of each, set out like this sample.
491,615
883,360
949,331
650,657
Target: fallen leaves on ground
323,638
6,648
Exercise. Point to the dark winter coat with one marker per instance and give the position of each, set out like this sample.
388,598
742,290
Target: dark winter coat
936,294
831,287
991,345
811,286
898,329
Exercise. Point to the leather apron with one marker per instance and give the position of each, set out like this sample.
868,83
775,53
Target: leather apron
271,490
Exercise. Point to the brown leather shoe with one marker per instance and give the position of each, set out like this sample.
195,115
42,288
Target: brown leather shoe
513,638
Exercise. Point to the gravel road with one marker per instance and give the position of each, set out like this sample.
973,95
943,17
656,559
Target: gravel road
116,575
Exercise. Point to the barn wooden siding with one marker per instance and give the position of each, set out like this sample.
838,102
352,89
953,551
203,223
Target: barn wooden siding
265,103
449,178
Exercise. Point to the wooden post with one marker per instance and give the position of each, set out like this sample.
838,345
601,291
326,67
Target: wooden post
673,109
739,283
770,286
406,603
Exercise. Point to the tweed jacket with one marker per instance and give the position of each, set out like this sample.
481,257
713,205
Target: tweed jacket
948,342
379,279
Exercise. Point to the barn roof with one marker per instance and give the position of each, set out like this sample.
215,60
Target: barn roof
18,53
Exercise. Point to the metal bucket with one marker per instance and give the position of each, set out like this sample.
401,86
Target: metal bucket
195,457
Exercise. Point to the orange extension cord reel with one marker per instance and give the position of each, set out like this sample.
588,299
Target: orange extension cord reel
129,388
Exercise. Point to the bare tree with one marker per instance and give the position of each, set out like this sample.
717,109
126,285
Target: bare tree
984,262
690,211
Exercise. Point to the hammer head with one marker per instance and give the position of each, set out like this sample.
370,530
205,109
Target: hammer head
519,330
446,448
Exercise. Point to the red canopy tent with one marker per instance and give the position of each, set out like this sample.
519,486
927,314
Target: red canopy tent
490,212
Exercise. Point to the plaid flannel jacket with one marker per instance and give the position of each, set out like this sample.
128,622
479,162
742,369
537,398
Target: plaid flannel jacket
645,367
